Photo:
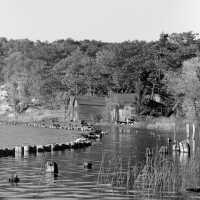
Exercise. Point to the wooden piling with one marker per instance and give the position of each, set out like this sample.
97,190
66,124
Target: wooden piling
19,150
26,148
187,130
193,131
174,132
193,146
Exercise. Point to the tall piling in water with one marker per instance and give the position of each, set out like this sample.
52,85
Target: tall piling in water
174,132
187,130
193,131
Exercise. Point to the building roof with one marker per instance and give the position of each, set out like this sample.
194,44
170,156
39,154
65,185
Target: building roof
91,100
89,108
123,99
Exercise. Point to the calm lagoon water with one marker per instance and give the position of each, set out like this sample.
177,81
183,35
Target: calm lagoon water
73,182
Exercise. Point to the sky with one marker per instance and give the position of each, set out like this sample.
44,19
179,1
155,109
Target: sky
104,20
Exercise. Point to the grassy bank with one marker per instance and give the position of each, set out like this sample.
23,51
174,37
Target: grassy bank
38,114
162,124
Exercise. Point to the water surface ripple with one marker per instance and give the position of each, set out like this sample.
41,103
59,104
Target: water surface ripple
73,181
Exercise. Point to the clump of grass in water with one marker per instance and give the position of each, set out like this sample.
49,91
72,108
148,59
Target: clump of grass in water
116,172
159,174
191,172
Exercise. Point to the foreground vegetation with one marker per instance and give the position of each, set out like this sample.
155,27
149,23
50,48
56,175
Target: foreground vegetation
159,174
47,74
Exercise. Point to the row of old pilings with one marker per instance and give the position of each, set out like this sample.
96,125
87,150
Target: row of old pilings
186,144
29,149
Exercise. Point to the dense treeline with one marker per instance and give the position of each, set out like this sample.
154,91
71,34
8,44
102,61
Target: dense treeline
50,72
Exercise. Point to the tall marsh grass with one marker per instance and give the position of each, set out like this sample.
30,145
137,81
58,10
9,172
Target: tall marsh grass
159,173
117,173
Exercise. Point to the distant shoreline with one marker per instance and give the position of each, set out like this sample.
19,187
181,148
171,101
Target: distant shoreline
159,124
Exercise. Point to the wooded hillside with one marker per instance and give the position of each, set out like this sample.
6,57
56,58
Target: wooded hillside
51,72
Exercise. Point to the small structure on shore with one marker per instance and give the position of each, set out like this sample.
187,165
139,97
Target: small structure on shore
87,108
119,107
123,107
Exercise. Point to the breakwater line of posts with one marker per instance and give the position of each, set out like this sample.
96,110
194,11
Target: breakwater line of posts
41,140
34,149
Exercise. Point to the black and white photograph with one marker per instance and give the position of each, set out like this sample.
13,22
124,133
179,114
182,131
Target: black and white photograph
100,99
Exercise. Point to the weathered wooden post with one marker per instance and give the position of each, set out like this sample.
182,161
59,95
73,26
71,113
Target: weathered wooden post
193,131
19,151
187,130
174,132
26,150
193,147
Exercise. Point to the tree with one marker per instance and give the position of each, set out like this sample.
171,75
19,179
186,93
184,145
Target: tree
23,74
140,92
72,70
185,86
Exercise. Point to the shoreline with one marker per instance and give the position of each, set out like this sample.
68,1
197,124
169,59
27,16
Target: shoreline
159,124
20,142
